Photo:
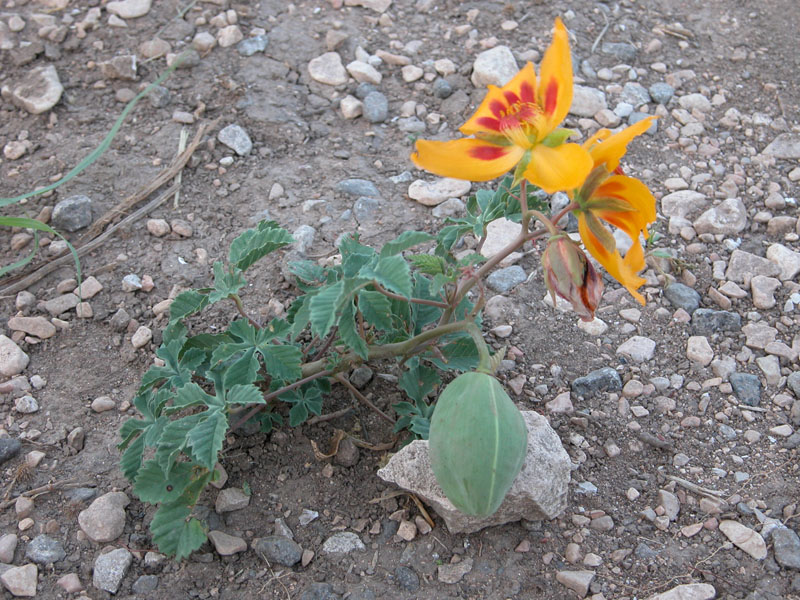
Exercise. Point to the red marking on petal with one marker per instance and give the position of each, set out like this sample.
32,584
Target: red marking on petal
619,171
511,97
487,152
497,107
551,97
489,123
526,89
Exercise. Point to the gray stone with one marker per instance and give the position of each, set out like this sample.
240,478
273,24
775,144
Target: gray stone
411,125
13,359
743,265
343,542
683,203
61,304
110,569
538,492
600,380
620,50
786,546
278,549
159,97
44,550
635,117
319,591
706,321
503,280
120,67
788,261
661,92
449,208
727,432
9,448
363,89
786,145
454,572
231,499
587,101
376,107
236,138
367,209
747,388
348,453
682,296
406,578
442,88
496,66
82,494
727,218
72,213
638,348
145,584
39,91
251,45
635,94
361,376
26,405
358,187
577,581
793,381
226,545
8,545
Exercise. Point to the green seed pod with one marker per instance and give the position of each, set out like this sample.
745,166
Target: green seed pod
478,442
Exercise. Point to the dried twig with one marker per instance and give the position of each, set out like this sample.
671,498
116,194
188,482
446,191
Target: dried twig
329,416
693,487
362,397
66,484
601,34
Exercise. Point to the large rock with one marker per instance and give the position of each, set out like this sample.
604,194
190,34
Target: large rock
129,9
495,66
788,261
786,145
727,218
21,581
328,69
38,92
743,265
688,591
435,192
104,520
110,569
587,101
745,538
73,213
13,359
538,492
683,203
599,380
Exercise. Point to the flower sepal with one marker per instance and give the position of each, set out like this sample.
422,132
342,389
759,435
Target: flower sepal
571,276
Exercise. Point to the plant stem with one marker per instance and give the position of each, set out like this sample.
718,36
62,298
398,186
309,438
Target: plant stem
240,307
388,294
338,377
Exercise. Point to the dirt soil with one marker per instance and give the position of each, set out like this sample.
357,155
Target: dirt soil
740,57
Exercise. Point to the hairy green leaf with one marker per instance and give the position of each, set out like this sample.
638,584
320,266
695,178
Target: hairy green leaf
187,303
243,370
175,532
460,355
392,272
256,243
376,309
348,331
323,308
191,394
244,394
154,486
430,264
406,240
418,381
207,436
226,282
131,460
283,362
174,439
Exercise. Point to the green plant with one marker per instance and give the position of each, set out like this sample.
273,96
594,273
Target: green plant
397,303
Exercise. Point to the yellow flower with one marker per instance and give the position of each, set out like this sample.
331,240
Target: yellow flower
622,201
515,127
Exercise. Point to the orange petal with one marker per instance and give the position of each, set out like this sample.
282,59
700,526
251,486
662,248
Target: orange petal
632,191
634,257
470,159
521,88
555,80
612,149
557,169
621,270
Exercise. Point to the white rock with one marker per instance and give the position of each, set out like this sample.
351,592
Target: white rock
21,581
436,192
727,218
788,261
699,350
236,138
228,36
104,519
204,41
39,91
594,327
26,405
12,359
110,569
499,234
638,348
142,337
745,538
688,591
343,543
102,404
496,66
328,69
411,73
376,5
129,9
587,101
364,72
577,581
351,107
683,203
763,290
539,491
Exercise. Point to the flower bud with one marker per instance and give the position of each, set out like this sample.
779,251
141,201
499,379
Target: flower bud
570,275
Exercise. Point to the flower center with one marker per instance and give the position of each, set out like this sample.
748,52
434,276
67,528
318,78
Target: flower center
518,122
